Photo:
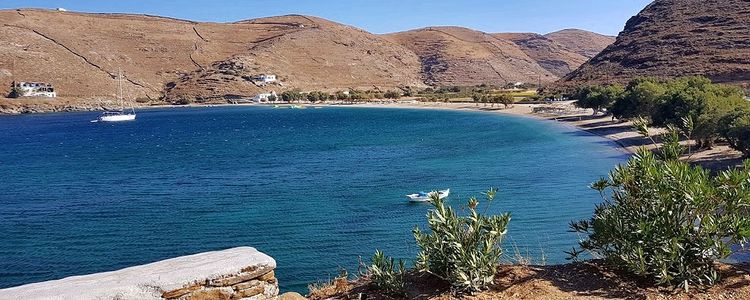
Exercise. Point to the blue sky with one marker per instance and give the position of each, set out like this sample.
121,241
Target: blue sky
541,16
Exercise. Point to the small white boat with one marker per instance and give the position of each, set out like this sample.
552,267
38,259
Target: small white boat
425,197
118,115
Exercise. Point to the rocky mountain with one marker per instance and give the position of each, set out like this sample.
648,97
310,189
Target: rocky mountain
81,53
551,55
673,38
583,42
560,52
461,56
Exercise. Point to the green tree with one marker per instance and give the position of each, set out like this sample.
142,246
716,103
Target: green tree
477,97
313,97
341,95
598,98
699,99
506,99
641,96
293,95
356,95
735,129
392,95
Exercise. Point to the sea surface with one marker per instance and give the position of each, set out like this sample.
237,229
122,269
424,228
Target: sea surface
313,188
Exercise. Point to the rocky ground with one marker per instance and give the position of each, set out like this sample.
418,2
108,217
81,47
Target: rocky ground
584,281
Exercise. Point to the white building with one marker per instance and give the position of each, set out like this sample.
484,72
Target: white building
264,97
266,78
34,89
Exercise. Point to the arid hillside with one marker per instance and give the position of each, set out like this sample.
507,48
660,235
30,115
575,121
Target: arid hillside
557,58
461,56
583,42
178,61
673,38
81,53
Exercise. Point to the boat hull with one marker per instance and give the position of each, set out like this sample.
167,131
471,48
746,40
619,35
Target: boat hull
421,198
117,118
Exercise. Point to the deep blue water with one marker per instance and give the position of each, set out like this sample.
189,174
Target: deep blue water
313,188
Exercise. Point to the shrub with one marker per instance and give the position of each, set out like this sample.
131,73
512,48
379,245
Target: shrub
183,101
15,92
463,250
336,286
667,221
671,149
386,274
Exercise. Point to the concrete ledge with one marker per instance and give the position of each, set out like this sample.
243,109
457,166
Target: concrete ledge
234,273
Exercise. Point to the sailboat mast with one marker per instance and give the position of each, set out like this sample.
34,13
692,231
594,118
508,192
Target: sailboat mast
119,88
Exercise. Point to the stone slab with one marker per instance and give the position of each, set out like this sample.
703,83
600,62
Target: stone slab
146,281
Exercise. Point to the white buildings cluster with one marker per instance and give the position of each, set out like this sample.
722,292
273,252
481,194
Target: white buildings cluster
34,89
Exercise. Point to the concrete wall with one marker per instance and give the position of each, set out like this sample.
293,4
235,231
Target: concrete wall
238,273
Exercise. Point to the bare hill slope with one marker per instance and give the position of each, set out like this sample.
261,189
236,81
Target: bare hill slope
80,54
552,56
583,42
673,38
461,56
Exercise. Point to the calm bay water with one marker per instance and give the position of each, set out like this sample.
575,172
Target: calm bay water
313,188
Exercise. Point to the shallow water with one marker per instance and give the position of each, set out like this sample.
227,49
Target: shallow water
313,188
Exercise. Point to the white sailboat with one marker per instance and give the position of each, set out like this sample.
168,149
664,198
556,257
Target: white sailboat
118,115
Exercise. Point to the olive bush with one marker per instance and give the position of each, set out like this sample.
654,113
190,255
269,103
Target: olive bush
667,221
463,250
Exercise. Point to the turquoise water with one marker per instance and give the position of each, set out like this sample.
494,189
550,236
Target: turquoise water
313,188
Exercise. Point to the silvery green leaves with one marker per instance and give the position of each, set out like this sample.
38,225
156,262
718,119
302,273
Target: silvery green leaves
386,274
463,250
668,221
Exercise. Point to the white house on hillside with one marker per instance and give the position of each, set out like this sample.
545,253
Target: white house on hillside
34,89
266,78
264,97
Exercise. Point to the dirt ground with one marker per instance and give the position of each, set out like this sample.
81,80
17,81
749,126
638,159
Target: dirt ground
584,280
